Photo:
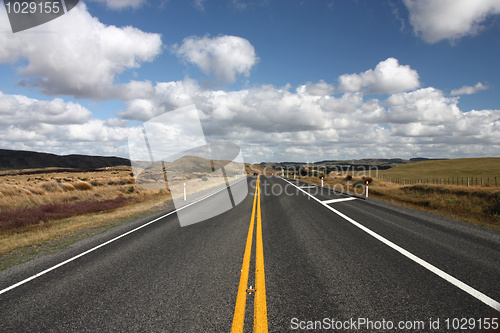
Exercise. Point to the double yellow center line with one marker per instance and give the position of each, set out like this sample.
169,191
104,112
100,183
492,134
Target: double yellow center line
260,306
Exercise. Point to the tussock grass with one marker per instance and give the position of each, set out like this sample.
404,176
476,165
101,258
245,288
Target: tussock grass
51,186
67,187
82,186
29,195
36,190
25,191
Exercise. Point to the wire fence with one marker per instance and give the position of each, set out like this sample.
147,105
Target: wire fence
458,181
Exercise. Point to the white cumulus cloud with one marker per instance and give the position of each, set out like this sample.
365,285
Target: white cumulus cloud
388,77
434,21
76,54
427,105
225,56
469,90
268,122
20,110
278,123
319,89
57,126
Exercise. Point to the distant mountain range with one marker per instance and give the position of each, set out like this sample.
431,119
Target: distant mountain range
380,163
20,159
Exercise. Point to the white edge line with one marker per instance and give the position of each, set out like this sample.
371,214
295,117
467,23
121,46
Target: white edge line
109,241
465,287
326,202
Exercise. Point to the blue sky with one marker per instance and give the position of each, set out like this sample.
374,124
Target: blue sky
286,80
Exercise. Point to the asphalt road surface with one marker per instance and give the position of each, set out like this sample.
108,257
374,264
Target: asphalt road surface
331,265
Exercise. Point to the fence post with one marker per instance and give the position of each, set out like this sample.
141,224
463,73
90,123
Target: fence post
468,182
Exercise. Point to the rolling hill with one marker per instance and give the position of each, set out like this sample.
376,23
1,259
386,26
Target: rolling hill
20,159
460,167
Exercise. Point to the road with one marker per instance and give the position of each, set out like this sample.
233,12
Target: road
326,262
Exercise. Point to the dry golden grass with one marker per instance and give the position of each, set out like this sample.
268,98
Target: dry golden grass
477,205
31,191
23,191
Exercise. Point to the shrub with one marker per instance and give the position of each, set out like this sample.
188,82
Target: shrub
45,213
367,179
348,177
495,207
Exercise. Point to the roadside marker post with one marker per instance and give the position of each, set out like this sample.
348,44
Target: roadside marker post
184,191
321,181
367,189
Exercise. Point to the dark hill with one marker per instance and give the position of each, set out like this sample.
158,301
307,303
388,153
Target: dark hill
20,159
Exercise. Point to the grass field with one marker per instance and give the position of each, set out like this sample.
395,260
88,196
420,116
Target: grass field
461,168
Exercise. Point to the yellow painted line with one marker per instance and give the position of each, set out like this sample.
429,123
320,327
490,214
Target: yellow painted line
260,304
241,299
